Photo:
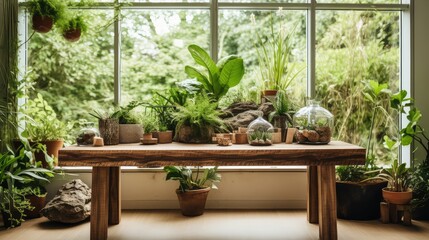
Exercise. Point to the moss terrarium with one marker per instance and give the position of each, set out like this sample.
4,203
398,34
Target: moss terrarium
259,132
314,124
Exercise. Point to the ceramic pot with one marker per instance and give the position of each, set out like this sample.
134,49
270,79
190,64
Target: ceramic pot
130,133
164,137
42,24
193,202
72,35
397,197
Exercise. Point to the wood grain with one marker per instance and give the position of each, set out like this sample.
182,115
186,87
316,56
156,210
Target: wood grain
312,195
334,153
115,195
99,203
327,203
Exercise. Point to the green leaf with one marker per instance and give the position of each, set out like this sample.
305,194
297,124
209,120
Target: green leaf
232,72
406,140
194,73
389,143
202,58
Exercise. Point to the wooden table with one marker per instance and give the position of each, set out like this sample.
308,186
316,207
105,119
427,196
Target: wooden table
106,179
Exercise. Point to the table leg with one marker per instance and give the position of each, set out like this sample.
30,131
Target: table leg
312,195
99,203
327,203
115,196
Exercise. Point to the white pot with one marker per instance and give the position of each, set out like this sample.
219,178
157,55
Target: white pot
130,133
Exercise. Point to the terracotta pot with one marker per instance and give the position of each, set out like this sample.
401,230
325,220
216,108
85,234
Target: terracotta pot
147,136
52,148
72,35
397,197
193,202
164,137
42,24
268,95
241,138
359,201
109,131
130,133
276,136
38,202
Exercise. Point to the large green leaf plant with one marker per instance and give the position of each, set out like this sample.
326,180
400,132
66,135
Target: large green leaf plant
218,78
192,181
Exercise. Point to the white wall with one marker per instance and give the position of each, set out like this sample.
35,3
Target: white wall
147,189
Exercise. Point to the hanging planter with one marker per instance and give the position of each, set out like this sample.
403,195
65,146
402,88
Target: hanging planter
73,28
45,13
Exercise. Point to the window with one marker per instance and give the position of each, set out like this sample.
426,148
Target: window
338,47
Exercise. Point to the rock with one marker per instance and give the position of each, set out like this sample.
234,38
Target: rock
266,108
237,108
242,119
71,204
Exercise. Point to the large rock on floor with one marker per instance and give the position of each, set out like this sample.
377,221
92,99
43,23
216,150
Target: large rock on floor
72,203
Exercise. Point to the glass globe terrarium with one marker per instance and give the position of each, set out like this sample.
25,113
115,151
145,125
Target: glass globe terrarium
314,124
87,133
259,132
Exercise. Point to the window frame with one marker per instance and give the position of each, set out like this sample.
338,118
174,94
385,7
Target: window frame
311,6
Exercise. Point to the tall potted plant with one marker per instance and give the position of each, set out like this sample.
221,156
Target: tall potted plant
274,56
45,13
280,116
193,187
108,124
358,199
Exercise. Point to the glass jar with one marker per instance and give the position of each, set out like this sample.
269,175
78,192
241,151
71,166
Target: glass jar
314,124
87,133
259,132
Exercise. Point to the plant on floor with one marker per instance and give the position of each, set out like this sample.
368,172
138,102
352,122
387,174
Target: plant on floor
218,78
16,171
193,187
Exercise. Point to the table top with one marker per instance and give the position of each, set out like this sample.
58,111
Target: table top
334,153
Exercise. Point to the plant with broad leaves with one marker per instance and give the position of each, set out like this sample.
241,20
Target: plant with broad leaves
192,181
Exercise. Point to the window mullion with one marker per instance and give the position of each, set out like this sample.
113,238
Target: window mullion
117,57
311,49
214,29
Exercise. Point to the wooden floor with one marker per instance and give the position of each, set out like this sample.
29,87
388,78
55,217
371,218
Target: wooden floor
218,224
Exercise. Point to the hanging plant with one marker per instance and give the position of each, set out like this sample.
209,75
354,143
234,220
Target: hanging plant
45,13
73,28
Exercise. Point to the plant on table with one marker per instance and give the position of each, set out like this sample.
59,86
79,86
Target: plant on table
280,116
217,78
197,120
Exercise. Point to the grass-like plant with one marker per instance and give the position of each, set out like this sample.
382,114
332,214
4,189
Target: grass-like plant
54,9
149,123
74,23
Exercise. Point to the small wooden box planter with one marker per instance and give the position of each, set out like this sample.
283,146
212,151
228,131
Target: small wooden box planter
395,213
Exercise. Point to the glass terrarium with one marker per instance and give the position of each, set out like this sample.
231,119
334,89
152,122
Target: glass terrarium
259,132
87,133
314,124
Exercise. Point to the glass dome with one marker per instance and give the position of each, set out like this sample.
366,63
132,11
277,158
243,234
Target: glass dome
87,133
259,132
314,124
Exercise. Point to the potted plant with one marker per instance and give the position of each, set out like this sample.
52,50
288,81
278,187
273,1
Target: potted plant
358,199
218,78
150,125
18,169
419,180
197,120
280,116
73,28
274,55
108,124
45,13
43,127
130,130
193,189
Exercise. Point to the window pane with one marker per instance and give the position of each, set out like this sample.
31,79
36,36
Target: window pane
160,1
265,1
154,48
238,34
353,48
75,77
